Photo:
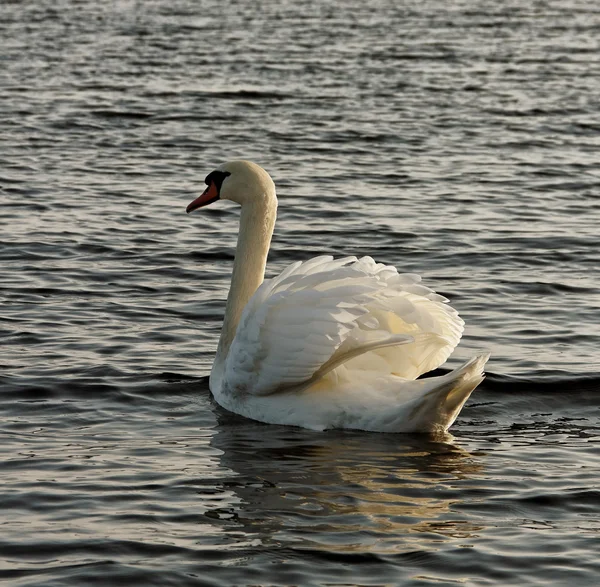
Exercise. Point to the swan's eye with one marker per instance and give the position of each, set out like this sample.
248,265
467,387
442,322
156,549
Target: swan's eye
216,177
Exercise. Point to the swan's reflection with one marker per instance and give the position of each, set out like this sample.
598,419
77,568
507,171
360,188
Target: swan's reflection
343,491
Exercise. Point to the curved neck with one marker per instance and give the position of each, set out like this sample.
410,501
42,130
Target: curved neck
257,221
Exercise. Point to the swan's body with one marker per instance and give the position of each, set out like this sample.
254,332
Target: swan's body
329,343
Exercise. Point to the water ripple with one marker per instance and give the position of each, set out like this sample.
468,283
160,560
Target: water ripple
455,140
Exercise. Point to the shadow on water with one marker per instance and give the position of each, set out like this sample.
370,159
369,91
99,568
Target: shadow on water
345,492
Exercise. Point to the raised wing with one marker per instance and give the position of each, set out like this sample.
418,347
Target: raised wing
324,313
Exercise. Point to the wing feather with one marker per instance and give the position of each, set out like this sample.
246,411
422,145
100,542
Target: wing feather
325,313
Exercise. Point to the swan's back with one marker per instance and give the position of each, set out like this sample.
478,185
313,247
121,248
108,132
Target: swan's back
324,312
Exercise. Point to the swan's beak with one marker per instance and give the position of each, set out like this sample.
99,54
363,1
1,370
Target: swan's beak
210,195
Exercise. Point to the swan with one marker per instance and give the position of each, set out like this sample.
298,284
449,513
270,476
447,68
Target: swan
329,343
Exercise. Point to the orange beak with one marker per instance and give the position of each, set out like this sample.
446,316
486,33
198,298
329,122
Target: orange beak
210,195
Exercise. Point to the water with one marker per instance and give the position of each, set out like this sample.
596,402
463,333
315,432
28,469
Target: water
455,139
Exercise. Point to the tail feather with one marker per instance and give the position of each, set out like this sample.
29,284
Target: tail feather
438,409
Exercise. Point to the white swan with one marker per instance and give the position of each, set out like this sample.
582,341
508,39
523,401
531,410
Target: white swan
329,343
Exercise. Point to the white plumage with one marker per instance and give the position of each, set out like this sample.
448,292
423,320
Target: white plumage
330,343
322,309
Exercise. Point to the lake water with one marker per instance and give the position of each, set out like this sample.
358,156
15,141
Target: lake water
458,140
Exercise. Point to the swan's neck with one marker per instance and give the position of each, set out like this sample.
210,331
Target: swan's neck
256,229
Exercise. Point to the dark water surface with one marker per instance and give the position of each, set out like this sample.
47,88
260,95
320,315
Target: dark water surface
459,140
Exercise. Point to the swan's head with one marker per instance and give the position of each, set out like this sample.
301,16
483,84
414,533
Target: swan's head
239,181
